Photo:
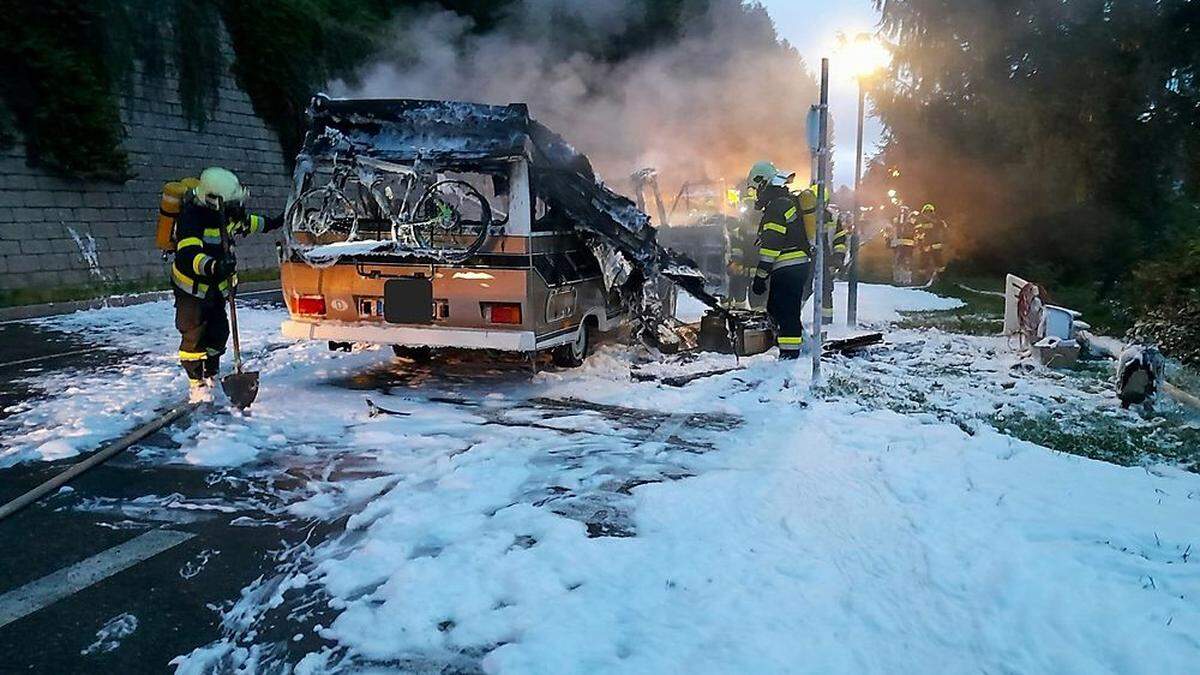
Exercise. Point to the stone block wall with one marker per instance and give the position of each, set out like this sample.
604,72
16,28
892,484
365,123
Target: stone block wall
68,234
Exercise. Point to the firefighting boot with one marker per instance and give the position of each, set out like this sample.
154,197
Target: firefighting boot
200,391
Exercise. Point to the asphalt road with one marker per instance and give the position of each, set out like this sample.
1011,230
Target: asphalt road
172,546
100,525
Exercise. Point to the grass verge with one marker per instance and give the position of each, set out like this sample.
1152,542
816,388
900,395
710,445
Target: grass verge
36,296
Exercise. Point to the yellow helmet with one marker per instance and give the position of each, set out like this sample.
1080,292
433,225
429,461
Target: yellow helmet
219,187
928,208
761,173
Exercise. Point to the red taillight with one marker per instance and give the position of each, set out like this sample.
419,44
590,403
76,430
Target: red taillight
502,312
310,305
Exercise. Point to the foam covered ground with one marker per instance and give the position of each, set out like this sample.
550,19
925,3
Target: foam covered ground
583,521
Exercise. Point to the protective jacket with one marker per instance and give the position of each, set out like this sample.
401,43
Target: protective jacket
930,232
788,226
905,235
198,248
837,236
742,247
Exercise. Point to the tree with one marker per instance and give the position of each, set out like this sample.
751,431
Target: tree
1060,134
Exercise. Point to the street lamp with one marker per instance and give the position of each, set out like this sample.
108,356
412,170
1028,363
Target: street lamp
865,56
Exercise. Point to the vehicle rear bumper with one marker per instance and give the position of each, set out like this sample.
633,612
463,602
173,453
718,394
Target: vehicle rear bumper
425,336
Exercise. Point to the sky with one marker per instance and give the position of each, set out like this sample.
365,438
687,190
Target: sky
812,26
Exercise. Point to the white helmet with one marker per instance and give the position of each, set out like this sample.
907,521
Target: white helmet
219,187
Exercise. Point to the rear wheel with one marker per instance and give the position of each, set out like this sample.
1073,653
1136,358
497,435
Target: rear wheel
573,354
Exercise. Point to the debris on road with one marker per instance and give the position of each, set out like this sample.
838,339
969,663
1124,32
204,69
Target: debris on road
680,380
375,410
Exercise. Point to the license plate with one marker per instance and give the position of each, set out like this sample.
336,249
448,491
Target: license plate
408,300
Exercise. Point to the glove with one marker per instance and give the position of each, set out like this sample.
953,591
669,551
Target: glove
273,223
221,268
236,213
760,285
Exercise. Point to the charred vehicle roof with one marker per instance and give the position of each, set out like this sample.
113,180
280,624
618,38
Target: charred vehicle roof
472,136
457,134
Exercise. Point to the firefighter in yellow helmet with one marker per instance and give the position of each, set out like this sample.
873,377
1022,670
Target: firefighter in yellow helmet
931,241
205,271
787,227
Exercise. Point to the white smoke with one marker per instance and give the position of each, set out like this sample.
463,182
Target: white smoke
708,104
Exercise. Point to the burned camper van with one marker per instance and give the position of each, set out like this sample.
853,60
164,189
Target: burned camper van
442,224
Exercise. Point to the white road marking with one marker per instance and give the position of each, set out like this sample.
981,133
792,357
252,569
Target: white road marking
21,602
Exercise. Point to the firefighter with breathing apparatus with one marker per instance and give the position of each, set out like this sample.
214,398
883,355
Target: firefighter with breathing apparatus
787,227
204,272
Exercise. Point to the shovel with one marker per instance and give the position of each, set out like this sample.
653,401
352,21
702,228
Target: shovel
240,386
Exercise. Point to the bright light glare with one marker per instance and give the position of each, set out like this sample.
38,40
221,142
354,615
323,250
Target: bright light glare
864,55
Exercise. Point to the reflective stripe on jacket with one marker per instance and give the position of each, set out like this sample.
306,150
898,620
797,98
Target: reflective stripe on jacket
789,223
198,248
839,236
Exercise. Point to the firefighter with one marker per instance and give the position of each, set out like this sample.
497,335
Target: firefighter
205,271
788,225
836,238
931,241
743,252
904,245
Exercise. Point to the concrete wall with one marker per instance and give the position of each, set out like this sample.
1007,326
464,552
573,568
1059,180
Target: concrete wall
57,233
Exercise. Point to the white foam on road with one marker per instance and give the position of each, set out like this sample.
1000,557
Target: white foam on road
819,535
110,635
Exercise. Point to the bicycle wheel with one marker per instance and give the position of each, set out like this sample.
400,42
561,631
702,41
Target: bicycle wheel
324,214
452,218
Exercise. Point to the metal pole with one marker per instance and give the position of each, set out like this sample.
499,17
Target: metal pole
818,246
852,277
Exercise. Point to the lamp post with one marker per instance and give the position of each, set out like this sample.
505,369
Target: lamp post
852,276
867,56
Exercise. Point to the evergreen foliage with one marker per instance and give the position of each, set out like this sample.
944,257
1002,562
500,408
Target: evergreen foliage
57,86
1061,137
68,63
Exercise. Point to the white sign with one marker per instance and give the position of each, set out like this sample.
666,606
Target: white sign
814,128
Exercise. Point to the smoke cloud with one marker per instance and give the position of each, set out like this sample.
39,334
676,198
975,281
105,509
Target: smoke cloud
719,95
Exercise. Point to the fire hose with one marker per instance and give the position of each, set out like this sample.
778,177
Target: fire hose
96,459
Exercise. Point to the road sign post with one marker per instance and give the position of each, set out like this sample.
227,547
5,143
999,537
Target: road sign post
818,246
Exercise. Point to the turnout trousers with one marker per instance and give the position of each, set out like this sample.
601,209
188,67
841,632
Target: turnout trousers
902,265
203,331
739,287
785,305
931,259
